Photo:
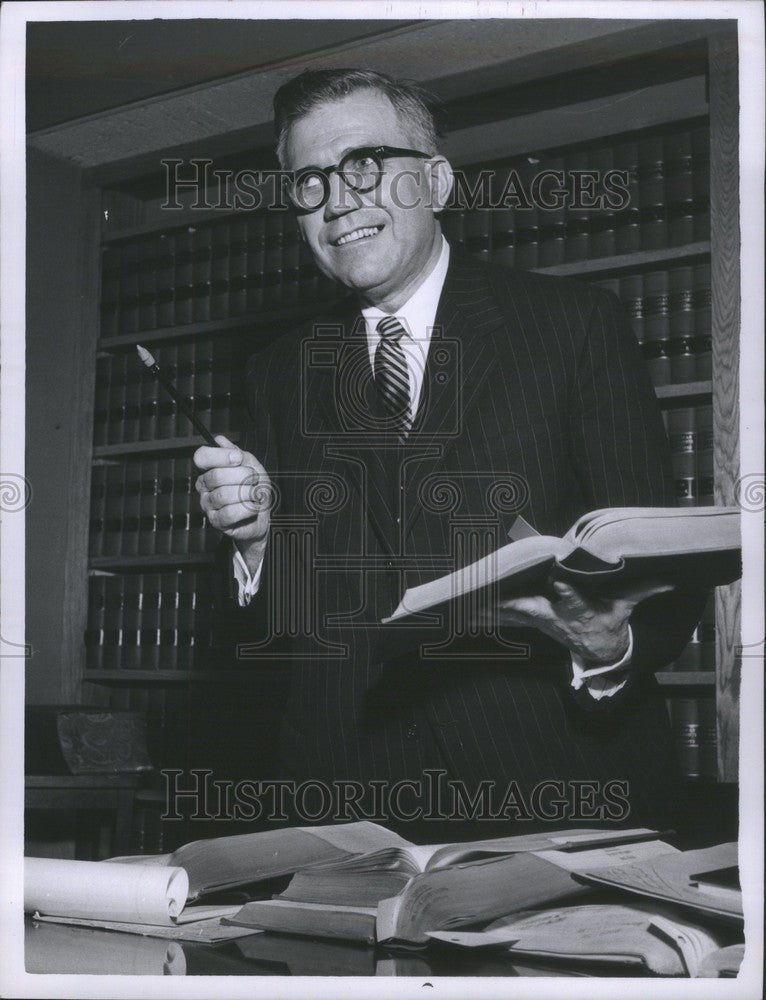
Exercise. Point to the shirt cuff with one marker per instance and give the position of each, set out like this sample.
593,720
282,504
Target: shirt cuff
247,585
598,681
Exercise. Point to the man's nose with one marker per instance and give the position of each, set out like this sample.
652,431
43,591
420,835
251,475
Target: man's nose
342,198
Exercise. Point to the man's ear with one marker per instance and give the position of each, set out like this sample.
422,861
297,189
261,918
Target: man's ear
440,179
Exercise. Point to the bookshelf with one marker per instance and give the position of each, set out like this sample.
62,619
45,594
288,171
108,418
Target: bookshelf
204,290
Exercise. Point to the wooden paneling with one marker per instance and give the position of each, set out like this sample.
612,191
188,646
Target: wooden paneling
725,248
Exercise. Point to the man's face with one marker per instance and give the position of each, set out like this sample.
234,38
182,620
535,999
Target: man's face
382,266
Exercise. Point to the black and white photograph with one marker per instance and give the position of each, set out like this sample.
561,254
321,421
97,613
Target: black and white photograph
382,499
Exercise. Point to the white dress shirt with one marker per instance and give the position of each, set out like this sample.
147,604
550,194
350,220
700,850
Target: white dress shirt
417,316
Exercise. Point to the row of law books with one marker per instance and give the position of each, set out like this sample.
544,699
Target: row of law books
130,404
690,434
670,313
208,271
622,897
693,721
147,508
547,209
149,621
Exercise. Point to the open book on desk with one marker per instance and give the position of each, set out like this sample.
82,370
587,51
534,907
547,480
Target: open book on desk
647,935
683,879
365,879
222,863
604,548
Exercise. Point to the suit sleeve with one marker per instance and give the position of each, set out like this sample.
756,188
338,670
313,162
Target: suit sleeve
249,623
622,459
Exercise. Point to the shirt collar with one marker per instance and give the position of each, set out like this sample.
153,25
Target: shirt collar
419,312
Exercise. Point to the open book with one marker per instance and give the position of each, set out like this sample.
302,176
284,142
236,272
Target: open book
473,894
696,545
226,862
644,935
366,879
684,879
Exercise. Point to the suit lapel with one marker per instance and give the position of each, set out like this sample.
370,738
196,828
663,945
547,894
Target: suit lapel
461,356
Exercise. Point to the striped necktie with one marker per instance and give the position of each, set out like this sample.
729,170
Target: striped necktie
392,376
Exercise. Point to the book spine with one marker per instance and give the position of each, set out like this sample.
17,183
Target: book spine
685,722
131,509
201,274
101,400
168,651
256,258
111,267
220,386
97,509
166,407
702,321
657,327
631,292
163,506
134,376
128,312
704,463
577,216
219,271
113,622
238,267
682,438
147,513
115,487
651,181
677,151
131,622
683,362
182,487
708,738
185,601
272,267
553,219
94,634
203,380
147,283
603,224
117,389
185,386
150,621
184,276
627,235
503,225
166,266
700,143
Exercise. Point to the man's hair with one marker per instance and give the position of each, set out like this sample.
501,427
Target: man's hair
311,88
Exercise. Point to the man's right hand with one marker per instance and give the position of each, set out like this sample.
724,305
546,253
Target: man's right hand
236,495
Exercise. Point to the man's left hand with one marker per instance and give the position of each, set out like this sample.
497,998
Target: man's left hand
594,628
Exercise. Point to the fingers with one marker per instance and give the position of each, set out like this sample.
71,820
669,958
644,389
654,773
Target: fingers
227,456
639,591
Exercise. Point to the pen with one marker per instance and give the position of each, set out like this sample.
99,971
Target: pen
183,404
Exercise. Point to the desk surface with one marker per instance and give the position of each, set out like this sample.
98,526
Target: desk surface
58,949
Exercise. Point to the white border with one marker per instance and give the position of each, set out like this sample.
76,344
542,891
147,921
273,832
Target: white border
13,20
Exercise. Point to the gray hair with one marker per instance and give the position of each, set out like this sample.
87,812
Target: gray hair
306,91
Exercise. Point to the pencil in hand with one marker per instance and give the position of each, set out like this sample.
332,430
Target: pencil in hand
182,402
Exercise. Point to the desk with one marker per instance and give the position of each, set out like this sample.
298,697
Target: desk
113,792
58,949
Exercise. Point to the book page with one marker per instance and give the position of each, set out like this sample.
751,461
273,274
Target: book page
103,890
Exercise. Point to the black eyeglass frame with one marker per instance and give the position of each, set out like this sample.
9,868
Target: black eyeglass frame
378,153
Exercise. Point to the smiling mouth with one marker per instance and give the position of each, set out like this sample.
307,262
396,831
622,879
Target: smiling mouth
364,232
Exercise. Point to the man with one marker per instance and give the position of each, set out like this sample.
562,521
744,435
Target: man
442,400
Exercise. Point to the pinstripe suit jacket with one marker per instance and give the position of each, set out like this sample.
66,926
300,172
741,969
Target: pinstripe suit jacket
535,401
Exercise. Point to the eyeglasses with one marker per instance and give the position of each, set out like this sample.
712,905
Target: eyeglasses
360,169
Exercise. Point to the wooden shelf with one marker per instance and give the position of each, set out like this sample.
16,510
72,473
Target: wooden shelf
172,676
686,678
210,328
683,392
148,447
118,563
627,261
